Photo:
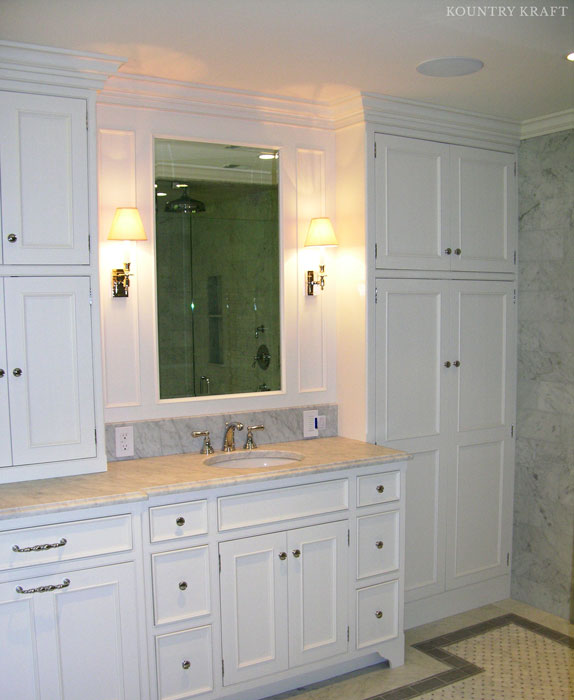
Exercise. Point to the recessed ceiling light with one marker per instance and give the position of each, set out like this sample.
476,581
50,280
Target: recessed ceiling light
570,56
450,66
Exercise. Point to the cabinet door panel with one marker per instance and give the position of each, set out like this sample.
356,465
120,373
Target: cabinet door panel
411,222
51,403
44,179
254,607
317,592
5,441
482,339
483,209
96,622
18,661
410,319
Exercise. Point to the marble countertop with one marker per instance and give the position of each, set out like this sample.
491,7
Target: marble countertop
140,479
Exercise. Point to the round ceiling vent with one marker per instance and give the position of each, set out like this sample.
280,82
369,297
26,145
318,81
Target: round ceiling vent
450,66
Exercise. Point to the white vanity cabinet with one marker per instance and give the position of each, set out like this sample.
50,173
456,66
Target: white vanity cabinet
47,382
69,609
444,207
44,175
252,587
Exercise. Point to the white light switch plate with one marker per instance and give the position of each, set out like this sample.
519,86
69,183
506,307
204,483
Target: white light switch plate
310,424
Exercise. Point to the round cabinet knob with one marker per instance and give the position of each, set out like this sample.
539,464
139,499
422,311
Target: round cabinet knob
282,556
379,614
186,664
380,488
296,553
456,363
183,585
2,373
447,364
17,372
379,544
180,522
457,251
12,237
448,251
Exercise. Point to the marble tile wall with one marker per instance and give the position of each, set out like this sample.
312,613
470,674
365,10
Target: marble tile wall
543,551
157,438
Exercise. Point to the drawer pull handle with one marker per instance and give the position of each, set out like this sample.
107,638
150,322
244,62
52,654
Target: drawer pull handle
296,553
44,589
380,488
40,547
379,614
183,585
186,664
379,544
282,556
180,522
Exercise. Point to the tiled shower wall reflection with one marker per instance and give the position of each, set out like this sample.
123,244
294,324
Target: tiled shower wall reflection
543,559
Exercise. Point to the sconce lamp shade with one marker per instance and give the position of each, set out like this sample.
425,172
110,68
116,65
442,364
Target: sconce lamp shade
321,232
127,225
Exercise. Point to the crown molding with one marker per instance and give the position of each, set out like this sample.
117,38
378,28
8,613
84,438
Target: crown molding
548,124
175,96
27,64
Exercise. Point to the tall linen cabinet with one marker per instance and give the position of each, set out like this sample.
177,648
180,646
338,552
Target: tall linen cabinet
439,354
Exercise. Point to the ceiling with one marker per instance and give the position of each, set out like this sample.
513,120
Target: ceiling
323,50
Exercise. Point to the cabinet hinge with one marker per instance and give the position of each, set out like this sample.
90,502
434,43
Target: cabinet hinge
87,121
376,296
376,251
96,435
514,168
507,558
512,431
89,243
222,668
514,296
348,538
219,555
375,149
348,633
515,257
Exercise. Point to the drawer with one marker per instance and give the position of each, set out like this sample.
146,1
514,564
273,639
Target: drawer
180,584
178,520
184,666
282,504
377,614
377,544
65,541
378,488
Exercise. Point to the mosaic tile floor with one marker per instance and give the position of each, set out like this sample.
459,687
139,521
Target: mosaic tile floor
505,651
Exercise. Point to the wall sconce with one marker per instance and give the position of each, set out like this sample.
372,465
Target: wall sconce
320,233
126,226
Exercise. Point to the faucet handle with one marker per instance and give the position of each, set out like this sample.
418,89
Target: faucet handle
206,448
250,442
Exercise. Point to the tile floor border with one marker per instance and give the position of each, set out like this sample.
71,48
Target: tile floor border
461,669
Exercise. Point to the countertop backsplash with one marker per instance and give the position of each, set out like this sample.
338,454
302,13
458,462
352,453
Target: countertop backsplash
159,438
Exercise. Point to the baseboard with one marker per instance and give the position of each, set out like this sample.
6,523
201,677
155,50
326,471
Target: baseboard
458,600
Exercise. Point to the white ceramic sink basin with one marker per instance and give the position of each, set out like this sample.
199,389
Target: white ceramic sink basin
253,459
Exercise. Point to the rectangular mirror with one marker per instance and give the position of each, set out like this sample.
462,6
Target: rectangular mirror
217,268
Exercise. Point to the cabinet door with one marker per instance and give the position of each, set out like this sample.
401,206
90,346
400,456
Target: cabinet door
483,210
412,318
5,442
411,205
317,592
253,584
44,171
50,374
78,641
480,482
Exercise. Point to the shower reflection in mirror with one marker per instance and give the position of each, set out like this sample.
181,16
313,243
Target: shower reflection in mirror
217,268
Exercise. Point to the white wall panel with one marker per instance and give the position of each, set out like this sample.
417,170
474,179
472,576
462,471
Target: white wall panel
311,336
117,188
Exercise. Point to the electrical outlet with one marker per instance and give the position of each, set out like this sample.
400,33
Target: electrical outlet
310,424
125,441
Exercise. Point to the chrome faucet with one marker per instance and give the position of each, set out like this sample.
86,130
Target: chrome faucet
229,439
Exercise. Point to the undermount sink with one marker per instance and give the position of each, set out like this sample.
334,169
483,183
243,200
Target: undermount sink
257,459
